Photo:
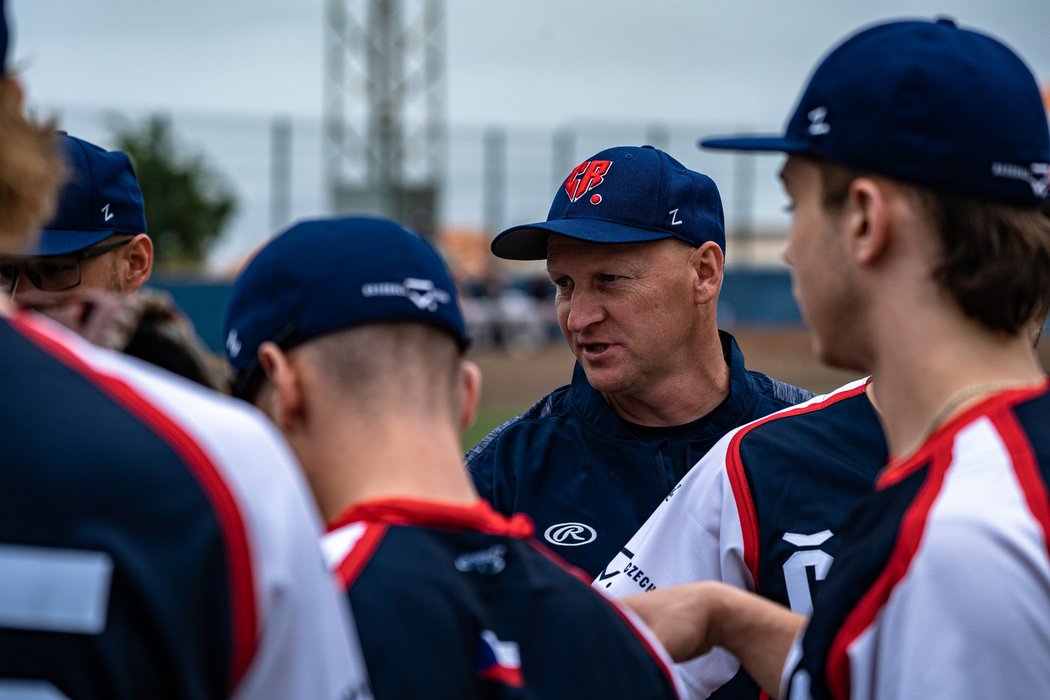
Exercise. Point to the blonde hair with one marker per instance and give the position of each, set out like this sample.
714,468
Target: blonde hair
31,170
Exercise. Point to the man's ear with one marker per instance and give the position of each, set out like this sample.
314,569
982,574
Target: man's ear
707,263
471,394
867,220
285,392
138,262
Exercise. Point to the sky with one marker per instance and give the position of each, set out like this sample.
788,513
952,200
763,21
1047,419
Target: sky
701,65
536,62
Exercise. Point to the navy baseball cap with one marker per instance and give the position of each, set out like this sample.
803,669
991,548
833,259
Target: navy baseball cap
102,197
924,102
5,37
627,194
325,275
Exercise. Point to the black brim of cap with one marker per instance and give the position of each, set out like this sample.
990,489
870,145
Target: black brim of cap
779,144
529,241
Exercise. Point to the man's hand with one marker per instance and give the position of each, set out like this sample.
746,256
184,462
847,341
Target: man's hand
692,618
680,617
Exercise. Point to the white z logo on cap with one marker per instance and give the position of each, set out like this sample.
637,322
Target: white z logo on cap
817,126
106,215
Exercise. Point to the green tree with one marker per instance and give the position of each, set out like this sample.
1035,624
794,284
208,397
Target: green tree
188,203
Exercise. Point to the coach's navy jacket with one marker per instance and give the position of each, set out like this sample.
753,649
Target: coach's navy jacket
589,479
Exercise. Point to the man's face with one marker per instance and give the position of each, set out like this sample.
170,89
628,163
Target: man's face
820,267
627,310
98,272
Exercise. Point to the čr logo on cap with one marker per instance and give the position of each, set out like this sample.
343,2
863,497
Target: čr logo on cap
585,177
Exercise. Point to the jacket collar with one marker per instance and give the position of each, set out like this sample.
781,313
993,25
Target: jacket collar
592,407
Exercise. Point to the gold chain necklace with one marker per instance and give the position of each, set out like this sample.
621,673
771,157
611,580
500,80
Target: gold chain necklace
957,399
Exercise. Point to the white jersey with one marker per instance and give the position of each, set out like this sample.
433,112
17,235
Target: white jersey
760,511
942,584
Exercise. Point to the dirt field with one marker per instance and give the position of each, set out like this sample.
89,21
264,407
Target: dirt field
785,354
519,380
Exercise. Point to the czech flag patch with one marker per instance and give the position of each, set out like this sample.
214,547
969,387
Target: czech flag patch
499,661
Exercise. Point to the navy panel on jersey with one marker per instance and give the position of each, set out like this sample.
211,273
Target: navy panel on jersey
433,603
65,487
806,469
1033,418
870,536
806,472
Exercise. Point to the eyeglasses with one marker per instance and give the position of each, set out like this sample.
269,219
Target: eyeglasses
51,273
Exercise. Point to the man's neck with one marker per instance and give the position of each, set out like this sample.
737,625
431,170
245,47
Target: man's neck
680,398
388,459
918,389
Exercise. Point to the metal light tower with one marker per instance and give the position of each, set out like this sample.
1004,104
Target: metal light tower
384,108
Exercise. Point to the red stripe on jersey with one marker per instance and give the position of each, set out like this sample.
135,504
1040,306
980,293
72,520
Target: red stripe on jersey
938,453
242,587
745,504
898,469
546,551
1026,467
667,670
912,527
586,580
350,567
403,510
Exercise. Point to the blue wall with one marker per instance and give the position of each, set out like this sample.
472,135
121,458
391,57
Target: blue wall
757,297
204,302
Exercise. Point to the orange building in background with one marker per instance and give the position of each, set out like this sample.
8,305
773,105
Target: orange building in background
466,250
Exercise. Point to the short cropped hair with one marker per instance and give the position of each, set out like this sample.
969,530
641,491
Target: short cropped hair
995,257
406,367
31,171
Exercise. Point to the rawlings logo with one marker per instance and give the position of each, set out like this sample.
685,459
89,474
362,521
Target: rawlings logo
585,177
570,534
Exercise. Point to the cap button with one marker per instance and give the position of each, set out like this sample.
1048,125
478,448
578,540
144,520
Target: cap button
947,21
